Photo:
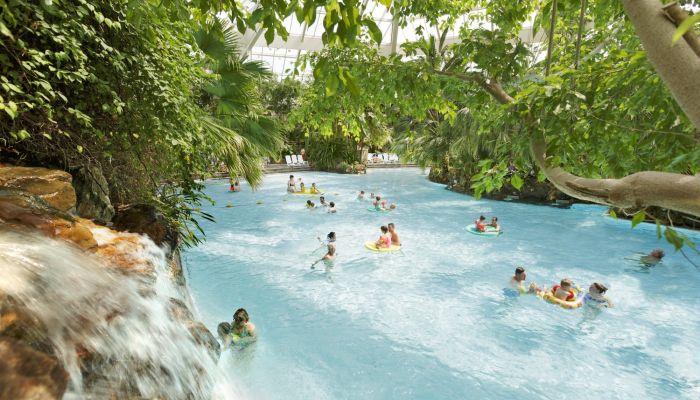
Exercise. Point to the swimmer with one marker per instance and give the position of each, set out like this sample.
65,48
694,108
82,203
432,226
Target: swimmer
330,238
384,239
394,235
328,258
224,331
310,204
563,291
332,209
518,282
652,258
596,296
291,185
322,201
392,206
314,189
494,223
379,204
242,330
480,224
361,196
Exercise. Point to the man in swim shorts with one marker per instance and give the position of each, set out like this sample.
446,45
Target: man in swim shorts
394,235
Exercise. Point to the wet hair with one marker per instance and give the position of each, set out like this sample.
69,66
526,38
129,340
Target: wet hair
601,288
378,198
321,198
494,219
223,329
362,192
291,176
332,204
240,317
566,282
313,184
331,235
391,225
309,202
384,229
481,218
657,253
519,270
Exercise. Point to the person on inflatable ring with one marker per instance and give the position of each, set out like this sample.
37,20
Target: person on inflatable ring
563,291
480,224
596,296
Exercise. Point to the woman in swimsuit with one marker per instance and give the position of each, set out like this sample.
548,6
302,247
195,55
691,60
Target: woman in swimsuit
596,296
242,330
291,185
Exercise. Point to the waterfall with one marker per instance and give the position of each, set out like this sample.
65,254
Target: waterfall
112,331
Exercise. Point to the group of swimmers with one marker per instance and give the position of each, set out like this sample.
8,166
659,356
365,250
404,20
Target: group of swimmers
481,224
322,203
564,290
377,201
292,186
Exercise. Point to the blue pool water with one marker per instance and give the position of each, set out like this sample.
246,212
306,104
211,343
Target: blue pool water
433,321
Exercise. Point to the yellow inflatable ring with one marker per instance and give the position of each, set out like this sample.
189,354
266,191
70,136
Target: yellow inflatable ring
549,296
373,247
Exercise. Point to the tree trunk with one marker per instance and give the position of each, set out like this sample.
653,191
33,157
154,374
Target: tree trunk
642,189
677,64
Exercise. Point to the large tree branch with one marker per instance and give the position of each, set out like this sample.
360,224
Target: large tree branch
492,87
677,64
648,188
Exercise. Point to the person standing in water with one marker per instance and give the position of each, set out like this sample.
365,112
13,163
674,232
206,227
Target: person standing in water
327,258
395,240
242,330
291,185
518,282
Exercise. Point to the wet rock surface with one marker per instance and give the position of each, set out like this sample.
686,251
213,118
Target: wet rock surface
26,374
52,186
145,219
92,193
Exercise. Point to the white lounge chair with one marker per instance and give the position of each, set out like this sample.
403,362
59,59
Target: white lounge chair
385,157
296,160
290,163
394,158
301,160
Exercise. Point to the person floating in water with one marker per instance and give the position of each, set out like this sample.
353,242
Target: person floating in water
291,185
596,296
331,208
564,290
392,206
395,240
653,258
518,282
361,196
384,239
313,189
322,202
494,223
310,204
480,224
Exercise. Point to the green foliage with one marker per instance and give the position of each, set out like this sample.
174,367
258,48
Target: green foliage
122,85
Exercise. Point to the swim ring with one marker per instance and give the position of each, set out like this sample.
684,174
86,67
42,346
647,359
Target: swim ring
490,231
549,296
308,193
373,247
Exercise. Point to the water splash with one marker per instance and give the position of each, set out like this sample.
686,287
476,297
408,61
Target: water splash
112,332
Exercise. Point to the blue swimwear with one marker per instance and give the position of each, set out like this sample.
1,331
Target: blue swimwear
588,300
